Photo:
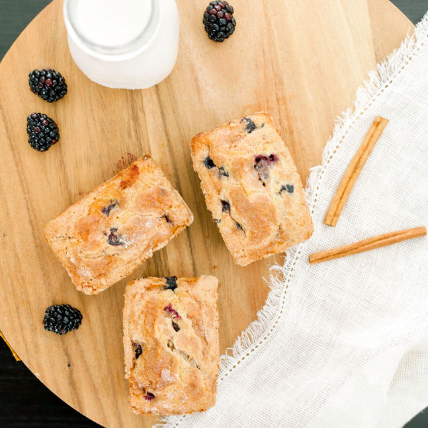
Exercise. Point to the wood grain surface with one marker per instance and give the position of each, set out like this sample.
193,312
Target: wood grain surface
299,61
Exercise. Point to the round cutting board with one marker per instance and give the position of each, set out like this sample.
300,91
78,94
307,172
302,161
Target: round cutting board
299,60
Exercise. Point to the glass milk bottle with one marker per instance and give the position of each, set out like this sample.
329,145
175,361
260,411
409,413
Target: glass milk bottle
130,44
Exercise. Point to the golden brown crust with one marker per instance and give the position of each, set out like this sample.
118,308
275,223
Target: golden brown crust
252,188
171,345
107,234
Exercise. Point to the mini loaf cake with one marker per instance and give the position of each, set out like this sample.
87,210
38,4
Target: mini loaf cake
171,344
107,234
252,188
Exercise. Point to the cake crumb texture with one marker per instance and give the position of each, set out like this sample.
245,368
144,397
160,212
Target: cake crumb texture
252,188
171,344
107,234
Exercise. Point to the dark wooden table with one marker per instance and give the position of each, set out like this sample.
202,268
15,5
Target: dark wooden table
24,401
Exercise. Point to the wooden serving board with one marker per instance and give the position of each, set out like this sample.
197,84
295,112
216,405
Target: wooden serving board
299,60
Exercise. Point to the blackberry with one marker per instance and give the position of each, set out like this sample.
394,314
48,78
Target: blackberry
209,163
149,396
167,219
222,172
250,125
61,319
171,311
171,283
225,207
113,239
175,326
219,21
48,84
138,349
289,188
261,165
107,209
42,132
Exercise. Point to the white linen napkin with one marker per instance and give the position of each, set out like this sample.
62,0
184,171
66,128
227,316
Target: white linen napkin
344,344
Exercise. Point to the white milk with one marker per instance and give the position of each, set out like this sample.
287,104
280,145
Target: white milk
111,23
129,44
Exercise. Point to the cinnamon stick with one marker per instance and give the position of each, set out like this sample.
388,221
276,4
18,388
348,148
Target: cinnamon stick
354,170
367,244
15,355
